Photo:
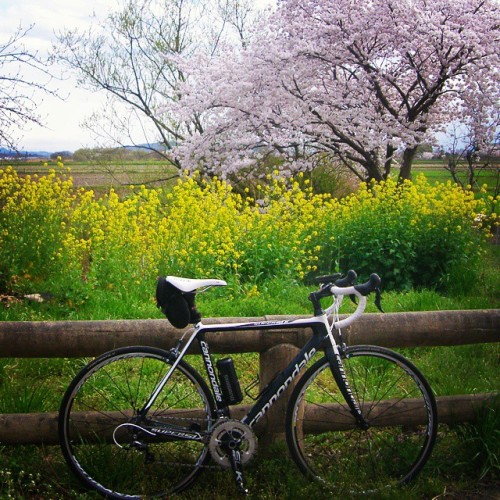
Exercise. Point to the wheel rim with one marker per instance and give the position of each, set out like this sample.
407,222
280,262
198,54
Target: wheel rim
395,402
125,461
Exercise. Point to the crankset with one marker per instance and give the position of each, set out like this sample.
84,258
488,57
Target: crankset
233,444
228,435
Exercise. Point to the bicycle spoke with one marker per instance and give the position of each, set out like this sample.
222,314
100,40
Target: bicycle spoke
328,444
115,454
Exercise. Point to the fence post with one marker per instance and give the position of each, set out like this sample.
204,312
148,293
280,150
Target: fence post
271,362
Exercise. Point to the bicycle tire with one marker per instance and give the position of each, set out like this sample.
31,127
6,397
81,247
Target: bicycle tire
397,403
108,392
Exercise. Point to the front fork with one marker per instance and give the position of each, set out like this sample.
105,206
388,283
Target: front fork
338,372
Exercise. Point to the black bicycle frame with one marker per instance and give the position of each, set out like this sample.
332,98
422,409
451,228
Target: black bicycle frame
319,341
283,379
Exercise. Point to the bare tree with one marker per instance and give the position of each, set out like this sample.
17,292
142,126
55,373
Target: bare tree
239,14
133,56
18,104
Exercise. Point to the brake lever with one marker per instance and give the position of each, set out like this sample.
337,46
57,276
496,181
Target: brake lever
378,299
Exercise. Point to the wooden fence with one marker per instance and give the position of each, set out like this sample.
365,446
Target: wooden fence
276,349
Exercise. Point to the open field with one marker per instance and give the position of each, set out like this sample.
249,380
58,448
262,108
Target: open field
102,177
435,172
120,173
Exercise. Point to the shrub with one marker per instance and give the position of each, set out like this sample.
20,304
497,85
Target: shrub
34,213
413,235
210,230
70,242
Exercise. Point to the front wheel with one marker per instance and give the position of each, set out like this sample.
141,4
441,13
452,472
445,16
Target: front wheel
107,443
396,401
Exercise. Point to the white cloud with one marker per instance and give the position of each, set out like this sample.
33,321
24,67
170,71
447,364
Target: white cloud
62,117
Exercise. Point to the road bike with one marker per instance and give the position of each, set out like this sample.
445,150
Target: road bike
141,422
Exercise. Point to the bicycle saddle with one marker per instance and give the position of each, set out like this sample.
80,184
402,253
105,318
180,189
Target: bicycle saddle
190,285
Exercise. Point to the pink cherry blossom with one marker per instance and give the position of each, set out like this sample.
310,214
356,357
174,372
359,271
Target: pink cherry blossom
357,80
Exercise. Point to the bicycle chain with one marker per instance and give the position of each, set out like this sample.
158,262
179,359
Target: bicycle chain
161,419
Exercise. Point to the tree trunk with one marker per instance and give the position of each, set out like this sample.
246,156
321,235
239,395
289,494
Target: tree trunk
374,172
408,157
390,150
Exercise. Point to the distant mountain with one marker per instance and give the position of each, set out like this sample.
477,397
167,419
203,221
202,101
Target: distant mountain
10,153
157,146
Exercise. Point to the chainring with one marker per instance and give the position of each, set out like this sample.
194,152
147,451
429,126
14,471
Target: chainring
232,434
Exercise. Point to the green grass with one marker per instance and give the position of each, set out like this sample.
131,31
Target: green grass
435,172
269,298
455,469
465,459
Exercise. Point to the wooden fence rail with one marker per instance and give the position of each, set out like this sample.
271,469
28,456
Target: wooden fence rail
276,348
41,428
66,339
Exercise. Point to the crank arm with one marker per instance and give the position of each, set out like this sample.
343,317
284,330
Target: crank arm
235,458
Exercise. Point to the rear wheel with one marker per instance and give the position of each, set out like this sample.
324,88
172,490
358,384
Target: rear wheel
110,449
396,401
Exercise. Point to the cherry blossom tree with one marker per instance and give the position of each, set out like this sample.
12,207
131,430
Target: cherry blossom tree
472,146
359,81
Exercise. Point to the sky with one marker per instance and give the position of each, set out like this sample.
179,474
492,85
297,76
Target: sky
62,117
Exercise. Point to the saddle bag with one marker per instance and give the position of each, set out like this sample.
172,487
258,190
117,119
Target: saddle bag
178,307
